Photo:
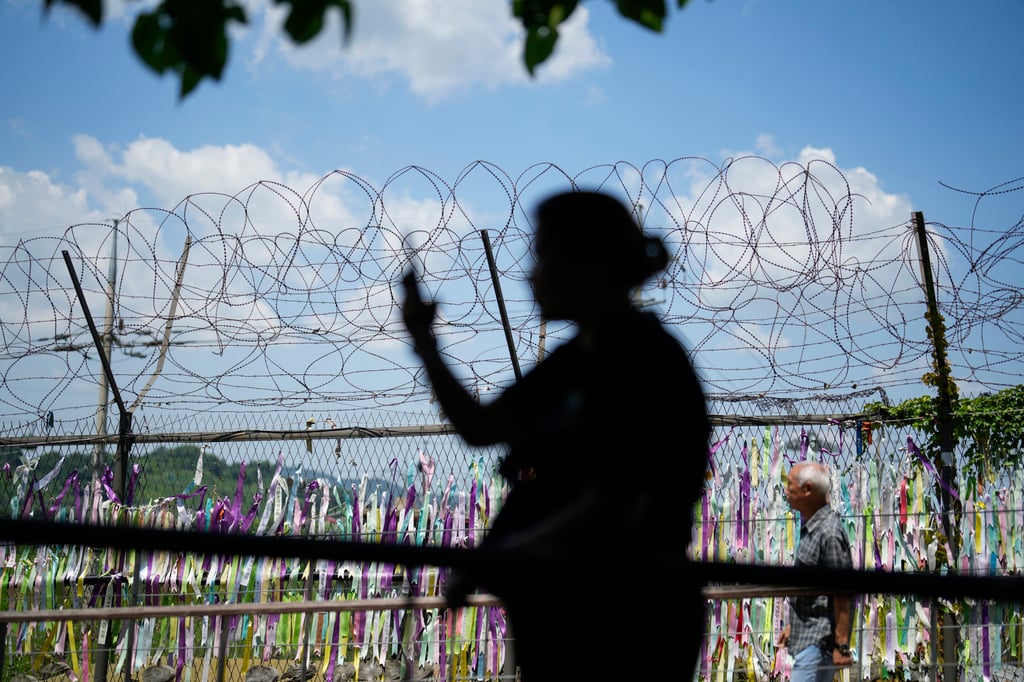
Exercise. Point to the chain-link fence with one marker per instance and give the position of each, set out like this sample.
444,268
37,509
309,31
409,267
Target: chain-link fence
413,481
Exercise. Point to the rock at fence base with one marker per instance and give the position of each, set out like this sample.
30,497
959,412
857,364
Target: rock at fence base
158,673
52,669
370,671
261,673
21,677
346,672
392,670
294,673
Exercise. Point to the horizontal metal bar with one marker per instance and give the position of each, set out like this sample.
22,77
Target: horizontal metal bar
492,560
251,435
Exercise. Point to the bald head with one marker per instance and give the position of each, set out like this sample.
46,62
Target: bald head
814,474
808,487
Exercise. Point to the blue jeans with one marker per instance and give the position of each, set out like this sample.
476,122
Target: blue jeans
813,665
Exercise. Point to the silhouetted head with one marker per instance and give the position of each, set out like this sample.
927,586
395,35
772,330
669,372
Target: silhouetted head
590,254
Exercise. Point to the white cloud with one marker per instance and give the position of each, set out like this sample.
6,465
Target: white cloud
765,144
808,154
33,203
127,10
171,174
440,47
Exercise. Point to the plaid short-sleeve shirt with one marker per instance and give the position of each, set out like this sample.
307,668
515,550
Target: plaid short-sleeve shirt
823,543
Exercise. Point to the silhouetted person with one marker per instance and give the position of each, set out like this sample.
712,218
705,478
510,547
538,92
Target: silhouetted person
818,632
607,453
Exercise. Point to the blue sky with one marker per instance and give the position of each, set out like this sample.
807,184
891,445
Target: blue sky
915,92
903,95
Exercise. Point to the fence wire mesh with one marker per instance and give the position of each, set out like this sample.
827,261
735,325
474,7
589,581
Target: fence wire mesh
415,482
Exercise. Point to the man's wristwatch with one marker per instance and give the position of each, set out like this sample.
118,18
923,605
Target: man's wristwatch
843,649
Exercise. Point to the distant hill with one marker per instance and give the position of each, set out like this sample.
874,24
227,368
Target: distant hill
163,472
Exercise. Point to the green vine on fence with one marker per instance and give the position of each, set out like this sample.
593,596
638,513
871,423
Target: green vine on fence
990,426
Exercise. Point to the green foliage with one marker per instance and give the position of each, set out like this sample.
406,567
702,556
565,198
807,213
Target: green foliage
541,19
165,472
190,37
993,426
648,14
990,426
306,18
92,9
940,376
170,471
11,503
186,36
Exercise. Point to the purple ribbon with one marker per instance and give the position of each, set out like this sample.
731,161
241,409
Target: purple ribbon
835,455
446,534
220,517
202,519
313,486
107,481
913,449
714,448
743,510
132,480
71,481
26,506
390,530
236,505
180,666
250,516
472,514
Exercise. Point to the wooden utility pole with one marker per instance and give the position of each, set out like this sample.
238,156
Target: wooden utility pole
107,339
944,386
501,305
946,466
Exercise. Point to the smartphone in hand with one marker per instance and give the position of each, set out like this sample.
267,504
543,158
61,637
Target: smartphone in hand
412,286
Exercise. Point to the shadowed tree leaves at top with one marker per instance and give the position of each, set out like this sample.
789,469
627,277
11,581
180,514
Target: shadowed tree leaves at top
190,37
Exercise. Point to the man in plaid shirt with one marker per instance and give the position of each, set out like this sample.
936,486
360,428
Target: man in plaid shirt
818,633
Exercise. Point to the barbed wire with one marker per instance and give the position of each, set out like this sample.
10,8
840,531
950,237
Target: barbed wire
787,280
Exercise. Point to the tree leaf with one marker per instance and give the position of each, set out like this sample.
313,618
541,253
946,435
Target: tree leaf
149,38
189,80
540,43
186,36
346,19
541,19
536,13
306,19
647,13
191,38
92,9
199,34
